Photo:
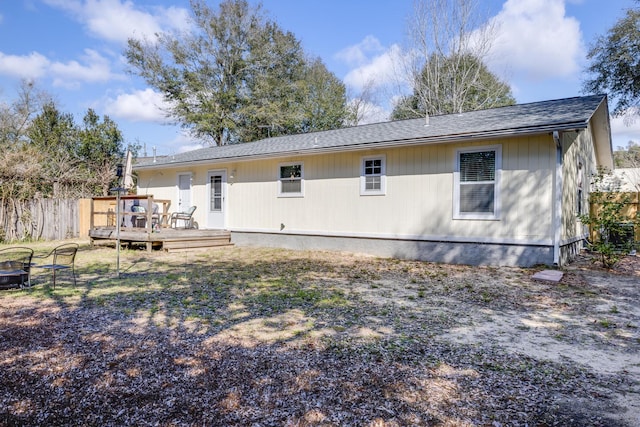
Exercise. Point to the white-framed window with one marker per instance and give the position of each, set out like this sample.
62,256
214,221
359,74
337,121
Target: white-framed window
373,178
291,179
477,183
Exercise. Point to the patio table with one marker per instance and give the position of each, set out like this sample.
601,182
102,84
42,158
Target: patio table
13,277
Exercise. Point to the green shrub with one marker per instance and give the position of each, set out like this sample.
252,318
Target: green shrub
609,222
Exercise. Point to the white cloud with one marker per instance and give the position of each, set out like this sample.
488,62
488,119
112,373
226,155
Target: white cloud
142,105
375,68
360,53
93,69
118,20
30,66
373,63
175,18
536,39
185,142
181,142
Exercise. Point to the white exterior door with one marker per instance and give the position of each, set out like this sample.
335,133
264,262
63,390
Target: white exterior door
184,192
217,199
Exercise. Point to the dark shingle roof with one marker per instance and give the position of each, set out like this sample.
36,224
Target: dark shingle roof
561,114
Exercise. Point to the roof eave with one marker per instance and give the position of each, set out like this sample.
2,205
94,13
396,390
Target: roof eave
603,143
376,145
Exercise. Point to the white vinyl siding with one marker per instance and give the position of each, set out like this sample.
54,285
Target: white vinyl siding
373,179
291,180
419,200
579,162
477,183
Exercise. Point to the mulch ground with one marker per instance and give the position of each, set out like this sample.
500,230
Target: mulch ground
628,266
84,362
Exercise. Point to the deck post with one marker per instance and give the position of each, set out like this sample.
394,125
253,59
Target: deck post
114,231
149,222
91,222
118,233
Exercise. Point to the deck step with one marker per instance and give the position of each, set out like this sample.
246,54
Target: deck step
172,249
174,245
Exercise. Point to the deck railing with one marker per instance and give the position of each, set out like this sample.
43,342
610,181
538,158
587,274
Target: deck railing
104,210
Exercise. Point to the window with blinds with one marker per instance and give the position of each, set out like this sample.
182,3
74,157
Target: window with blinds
476,185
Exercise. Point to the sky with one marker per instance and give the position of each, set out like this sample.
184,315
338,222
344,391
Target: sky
73,50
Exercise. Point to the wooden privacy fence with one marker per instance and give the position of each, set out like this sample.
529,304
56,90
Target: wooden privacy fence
44,219
630,209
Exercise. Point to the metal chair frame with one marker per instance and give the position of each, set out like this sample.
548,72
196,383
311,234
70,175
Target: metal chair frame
16,260
63,258
187,217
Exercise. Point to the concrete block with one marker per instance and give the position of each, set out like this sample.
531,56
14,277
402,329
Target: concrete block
549,275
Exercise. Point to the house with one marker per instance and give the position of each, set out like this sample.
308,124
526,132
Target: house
500,186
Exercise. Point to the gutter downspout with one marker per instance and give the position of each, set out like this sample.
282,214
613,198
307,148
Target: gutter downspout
557,200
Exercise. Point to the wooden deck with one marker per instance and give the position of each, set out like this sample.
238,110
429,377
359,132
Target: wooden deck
168,239
151,227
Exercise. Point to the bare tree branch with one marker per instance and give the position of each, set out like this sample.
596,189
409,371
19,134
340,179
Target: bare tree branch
449,45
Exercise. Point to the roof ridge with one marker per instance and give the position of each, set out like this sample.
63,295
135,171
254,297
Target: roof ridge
539,116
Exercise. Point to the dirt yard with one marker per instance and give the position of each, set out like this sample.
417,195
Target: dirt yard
265,337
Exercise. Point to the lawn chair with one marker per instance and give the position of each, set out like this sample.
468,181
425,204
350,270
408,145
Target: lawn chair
187,217
155,216
139,220
63,258
15,267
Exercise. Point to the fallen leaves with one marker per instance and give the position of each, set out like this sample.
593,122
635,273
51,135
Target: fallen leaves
267,338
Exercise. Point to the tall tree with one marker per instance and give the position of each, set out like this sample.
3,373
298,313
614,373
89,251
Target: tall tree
23,172
362,104
16,116
54,135
53,131
453,85
322,99
77,160
276,57
45,153
235,77
100,148
629,157
615,64
446,66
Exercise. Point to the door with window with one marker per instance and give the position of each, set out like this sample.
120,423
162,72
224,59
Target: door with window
184,192
216,190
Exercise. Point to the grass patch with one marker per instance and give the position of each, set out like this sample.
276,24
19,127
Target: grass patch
277,327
